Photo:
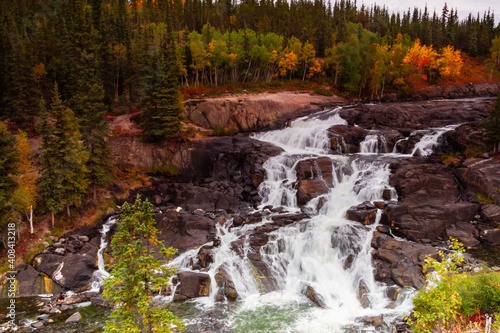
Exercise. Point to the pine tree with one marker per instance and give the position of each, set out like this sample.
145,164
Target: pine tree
87,102
63,178
492,125
8,162
23,94
162,106
137,274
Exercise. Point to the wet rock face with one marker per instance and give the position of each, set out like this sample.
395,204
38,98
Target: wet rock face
255,112
69,269
400,262
407,117
429,200
192,285
226,286
481,176
364,213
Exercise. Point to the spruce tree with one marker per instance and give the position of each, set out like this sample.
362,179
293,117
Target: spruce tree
8,163
63,180
162,109
137,275
23,94
87,102
492,125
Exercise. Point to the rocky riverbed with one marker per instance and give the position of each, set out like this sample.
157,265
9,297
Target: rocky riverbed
224,190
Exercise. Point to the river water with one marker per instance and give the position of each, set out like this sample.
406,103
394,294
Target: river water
312,253
326,253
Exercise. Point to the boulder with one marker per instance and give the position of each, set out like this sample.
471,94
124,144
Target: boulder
429,200
309,189
345,138
491,236
27,282
71,271
491,213
400,261
205,256
465,232
481,176
315,168
192,285
74,318
184,231
226,286
314,297
364,213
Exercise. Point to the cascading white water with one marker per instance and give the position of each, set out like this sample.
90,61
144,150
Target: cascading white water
373,144
430,140
326,252
101,274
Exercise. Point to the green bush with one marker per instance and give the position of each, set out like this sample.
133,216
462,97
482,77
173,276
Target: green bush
437,304
479,291
321,90
166,169
473,151
219,131
483,198
449,294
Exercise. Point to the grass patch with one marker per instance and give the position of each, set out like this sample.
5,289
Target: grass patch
219,131
473,151
321,90
450,159
166,169
483,198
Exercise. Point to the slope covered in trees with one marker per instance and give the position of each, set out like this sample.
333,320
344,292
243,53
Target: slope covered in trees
106,55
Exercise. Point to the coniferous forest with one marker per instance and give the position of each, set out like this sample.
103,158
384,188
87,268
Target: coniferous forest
117,48
65,65
69,67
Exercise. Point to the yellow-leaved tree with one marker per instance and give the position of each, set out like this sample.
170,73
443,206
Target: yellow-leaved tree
450,62
25,196
422,61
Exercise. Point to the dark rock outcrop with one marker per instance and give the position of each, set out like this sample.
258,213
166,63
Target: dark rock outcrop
71,271
405,118
365,213
226,286
400,261
429,200
192,285
247,113
314,297
481,176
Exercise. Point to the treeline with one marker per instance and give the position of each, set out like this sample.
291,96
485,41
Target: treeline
42,42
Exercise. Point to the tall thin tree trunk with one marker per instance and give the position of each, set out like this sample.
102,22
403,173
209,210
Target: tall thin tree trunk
52,215
68,214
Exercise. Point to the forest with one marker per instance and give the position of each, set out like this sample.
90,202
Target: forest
66,65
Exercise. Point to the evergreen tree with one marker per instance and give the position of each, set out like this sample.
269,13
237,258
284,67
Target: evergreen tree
492,125
87,102
23,94
8,163
63,180
137,274
162,106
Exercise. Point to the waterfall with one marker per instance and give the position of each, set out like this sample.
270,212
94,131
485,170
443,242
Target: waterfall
101,274
430,140
326,252
373,144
